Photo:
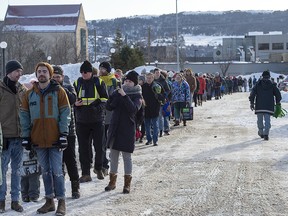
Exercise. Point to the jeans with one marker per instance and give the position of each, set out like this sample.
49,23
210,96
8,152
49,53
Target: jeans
151,122
50,160
177,109
14,153
30,186
263,129
114,158
163,121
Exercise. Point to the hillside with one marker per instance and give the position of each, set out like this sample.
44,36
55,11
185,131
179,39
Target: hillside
204,23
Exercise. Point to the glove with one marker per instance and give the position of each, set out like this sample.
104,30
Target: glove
26,143
62,142
252,107
279,111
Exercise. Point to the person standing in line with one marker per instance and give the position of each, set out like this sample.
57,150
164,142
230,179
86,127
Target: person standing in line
45,117
69,155
111,83
191,80
89,116
124,102
263,97
163,121
180,97
11,92
151,92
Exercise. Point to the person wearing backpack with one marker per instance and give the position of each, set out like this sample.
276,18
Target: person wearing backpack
89,117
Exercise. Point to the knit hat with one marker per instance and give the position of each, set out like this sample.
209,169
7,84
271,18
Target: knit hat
142,78
266,74
133,76
13,65
86,67
106,65
45,64
58,70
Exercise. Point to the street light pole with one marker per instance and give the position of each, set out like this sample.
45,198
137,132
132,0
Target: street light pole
177,38
3,46
49,59
156,63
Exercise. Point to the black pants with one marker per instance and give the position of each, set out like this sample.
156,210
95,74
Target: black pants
69,158
83,131
105,159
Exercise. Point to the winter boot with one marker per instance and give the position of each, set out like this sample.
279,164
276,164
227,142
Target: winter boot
112,182
47,207
184,122
2,206
266,137
176,123
15,205
61,208
75,186
127,183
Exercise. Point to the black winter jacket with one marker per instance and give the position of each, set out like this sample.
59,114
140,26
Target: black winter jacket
95,112
122,128
265,95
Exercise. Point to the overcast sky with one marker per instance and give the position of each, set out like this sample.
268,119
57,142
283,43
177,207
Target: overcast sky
109,9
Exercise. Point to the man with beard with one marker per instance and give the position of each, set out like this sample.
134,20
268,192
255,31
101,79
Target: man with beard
45,117
11,91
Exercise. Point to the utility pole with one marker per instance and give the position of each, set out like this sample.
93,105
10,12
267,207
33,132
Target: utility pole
177,38
95,59
149,45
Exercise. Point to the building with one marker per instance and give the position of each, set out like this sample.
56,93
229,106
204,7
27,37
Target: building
62,29
254,47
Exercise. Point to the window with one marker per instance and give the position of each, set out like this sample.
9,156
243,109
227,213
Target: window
277,46
263,46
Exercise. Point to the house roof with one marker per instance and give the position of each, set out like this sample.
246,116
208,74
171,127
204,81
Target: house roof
43,18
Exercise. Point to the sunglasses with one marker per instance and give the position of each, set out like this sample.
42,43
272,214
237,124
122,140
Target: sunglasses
85,72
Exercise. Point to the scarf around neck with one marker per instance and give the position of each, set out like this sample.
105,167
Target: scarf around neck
132,90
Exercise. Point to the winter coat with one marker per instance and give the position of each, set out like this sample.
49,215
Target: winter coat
71,94
202,86
152,101
44,116
122,128
191,80
180,92
164,84
111,83
94,110
265,94
9,110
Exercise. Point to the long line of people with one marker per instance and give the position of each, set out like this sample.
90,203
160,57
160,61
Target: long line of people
97,109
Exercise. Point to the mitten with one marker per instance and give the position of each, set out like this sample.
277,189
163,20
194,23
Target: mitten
252,107
62,142
26,143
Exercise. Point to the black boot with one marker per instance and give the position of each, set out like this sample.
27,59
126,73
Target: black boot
75,185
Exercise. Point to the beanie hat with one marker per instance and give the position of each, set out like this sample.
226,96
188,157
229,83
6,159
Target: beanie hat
45,64
58,70
266,74
133,76
13,65
106,65
142,78
86,67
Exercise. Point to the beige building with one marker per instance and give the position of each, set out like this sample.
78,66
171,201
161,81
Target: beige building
62,29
